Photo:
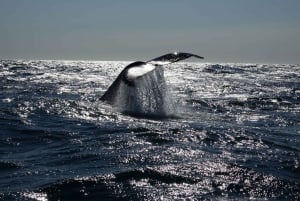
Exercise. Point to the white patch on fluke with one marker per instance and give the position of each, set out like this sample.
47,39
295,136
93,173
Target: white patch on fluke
138,71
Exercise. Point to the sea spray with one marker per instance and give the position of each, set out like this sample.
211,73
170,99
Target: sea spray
149,96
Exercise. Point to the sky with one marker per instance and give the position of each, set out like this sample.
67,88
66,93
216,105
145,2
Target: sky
248,31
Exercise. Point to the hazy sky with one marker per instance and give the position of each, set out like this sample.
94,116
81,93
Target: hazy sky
258,31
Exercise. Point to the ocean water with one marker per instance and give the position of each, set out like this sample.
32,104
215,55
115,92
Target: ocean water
235,134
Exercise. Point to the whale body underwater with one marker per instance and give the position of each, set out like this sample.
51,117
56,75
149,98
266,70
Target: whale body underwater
140,88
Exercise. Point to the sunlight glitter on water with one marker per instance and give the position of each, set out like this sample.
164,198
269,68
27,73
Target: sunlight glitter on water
235,137
36,196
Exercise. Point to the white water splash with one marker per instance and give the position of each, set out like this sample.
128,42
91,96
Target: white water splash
149,96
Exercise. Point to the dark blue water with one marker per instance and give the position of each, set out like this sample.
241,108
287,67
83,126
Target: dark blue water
235,135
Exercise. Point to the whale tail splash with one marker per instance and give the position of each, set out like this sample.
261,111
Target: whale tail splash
140,88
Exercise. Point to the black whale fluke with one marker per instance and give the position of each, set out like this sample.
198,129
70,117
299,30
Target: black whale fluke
174,57
110,96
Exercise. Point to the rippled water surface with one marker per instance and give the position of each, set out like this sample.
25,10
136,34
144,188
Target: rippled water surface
235,135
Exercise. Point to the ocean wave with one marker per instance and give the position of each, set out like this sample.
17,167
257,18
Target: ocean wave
235,134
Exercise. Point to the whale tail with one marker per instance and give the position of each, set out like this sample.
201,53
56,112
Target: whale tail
139,77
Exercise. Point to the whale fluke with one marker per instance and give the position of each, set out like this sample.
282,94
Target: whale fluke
173,57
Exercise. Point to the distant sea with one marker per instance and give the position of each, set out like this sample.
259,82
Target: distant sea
235,134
